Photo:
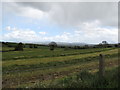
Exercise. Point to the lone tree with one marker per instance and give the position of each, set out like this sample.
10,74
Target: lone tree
52,45
19,47
105,43
35,46
86,46
30,46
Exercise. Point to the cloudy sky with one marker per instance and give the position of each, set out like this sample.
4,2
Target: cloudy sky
88,22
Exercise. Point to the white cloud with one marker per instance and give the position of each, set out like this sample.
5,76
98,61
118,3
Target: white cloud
27,35
14,28
8,28
91,21
92,32
20,35
65,36
87,32
42,33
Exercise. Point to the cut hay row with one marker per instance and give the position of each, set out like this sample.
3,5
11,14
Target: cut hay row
46,60
49,73
30,70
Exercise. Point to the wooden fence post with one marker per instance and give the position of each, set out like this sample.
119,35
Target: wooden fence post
101,65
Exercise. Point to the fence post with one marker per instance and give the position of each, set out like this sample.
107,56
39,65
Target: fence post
101,65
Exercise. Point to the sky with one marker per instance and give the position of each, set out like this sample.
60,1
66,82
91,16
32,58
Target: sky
88,22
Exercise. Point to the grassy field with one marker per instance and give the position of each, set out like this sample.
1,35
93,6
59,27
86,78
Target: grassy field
40,67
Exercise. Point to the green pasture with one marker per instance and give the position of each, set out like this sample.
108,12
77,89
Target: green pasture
24,68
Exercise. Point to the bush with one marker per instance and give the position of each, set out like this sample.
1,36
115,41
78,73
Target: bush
35,46
19,47
30,46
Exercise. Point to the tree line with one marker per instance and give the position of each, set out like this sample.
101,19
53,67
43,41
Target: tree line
53,45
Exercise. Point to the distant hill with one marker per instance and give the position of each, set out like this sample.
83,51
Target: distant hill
65,43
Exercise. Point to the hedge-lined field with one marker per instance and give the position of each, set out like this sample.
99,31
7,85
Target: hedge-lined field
34,67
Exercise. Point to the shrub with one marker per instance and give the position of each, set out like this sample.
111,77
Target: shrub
19,47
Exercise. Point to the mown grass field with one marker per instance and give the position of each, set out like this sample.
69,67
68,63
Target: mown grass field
40,67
